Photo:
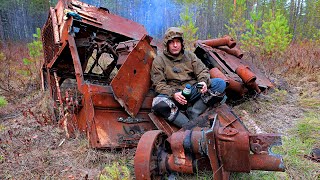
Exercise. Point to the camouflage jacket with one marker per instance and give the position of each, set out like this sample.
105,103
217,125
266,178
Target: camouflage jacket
170,74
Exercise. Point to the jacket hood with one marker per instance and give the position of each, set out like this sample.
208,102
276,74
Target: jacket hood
171,33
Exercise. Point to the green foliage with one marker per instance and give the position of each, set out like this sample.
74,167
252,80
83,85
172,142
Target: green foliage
309,128
312,102
1,158
251,39
38,6
33,63
3,101
269,38
303,138
279,95
189,28
35,48
259,175
33,6
4,4
2,128
237,22
276,36
26,61
307,24
115,172
53,2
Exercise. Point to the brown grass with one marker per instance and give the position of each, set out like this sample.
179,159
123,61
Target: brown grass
34,147
17,79
303,56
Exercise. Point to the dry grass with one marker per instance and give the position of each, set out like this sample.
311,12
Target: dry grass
33,147
17,80
303,56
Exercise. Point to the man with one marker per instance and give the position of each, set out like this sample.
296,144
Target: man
171,71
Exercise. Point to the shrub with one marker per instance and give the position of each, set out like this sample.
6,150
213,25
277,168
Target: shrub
276,36
3,101
116,171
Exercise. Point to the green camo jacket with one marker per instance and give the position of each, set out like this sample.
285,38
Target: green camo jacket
170,75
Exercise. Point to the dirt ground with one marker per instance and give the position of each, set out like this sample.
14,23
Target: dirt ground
32,147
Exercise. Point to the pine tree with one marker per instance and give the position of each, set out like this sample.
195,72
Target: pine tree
189,29
276,36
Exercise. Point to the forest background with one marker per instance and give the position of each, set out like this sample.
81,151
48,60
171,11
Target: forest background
281,37
20,18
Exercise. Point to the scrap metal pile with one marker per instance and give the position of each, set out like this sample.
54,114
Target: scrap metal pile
97,70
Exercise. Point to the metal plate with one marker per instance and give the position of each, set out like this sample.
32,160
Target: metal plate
133,80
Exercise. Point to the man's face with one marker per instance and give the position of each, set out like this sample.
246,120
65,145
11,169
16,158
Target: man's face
174,46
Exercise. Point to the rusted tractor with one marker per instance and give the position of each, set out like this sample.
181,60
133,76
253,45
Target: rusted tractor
97,70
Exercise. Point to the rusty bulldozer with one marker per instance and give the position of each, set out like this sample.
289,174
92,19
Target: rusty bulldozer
97,69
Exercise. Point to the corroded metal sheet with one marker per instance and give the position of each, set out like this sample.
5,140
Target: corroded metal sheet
133,79
162,124
233,62
73,31
105,121
102,18
225,60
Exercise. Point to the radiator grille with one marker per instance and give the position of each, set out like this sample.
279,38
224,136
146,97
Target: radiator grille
49,46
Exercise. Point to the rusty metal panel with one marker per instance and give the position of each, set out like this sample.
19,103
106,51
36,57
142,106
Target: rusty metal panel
50,38
113,130
102,18
55,26
162,124
106,123
61,5
235,151
228,118
76,62
228,60
132,82
233,62
212,153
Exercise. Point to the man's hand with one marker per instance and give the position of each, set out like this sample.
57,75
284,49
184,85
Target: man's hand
180,98
204,87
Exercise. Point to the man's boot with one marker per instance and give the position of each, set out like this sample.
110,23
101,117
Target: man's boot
180,120
196,110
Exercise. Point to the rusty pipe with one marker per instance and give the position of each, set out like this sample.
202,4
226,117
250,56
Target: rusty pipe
231,84
266,162
237,87
248,77
216,73
224,41
183,165
184,145
234,51
255,86
245,74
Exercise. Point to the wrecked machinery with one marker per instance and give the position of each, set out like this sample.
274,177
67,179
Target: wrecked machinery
97,69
